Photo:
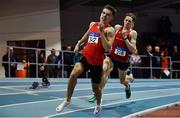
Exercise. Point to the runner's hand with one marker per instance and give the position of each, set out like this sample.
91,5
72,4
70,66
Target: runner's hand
124,34
101,26
76,49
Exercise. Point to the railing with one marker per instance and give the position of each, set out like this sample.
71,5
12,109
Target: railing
33,64
149,66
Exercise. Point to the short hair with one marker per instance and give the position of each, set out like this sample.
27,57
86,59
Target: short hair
132,15
111,8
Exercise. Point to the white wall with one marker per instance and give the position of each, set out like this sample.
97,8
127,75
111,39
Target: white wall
40,25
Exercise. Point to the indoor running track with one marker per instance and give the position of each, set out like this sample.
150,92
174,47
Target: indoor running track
17,100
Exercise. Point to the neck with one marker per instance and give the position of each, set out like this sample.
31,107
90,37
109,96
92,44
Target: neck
126,28
105,23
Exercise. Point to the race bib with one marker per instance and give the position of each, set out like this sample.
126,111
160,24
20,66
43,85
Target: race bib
120,51
93,38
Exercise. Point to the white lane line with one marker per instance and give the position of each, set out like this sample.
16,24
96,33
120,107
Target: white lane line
14,89
140,113
22,86
28,85
27,103
109,83
36,91
164,82
113,103
119,93
54,97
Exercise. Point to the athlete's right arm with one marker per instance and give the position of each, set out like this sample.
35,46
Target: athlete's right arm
83,39
108,39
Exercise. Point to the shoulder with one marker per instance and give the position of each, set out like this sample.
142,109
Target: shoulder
91,24
109,30
117,27
133,32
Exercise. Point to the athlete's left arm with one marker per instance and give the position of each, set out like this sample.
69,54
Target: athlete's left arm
132,43
108,39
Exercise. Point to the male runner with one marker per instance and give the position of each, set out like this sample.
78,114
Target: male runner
107,68
98,36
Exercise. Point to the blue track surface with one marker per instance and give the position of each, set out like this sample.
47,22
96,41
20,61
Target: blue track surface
17,100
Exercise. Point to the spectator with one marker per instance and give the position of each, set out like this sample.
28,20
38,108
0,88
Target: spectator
165,64
68,60
26,65
32,67
156,62
51,60
135,61
9,60
59,64
42,70
146,61
176,66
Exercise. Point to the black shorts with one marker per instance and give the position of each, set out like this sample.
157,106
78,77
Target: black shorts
121,65
95,70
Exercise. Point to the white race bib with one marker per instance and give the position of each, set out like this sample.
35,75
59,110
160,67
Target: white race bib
120,51
93,38
20,66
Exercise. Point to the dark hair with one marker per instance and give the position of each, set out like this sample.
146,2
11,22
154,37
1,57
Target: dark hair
111,8
132,15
